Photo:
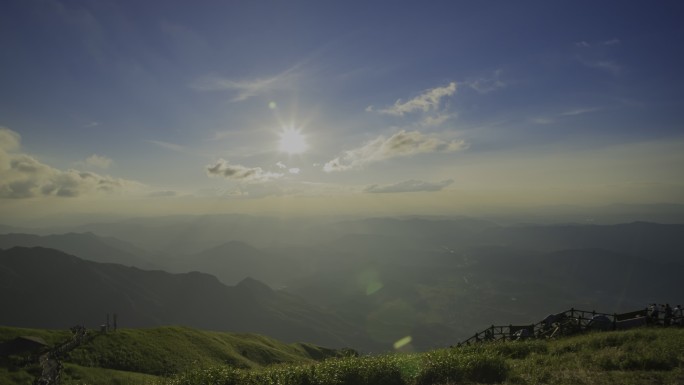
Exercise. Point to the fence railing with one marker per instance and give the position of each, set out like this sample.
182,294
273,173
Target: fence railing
569,322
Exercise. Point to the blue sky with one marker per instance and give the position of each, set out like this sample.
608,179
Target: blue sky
424,107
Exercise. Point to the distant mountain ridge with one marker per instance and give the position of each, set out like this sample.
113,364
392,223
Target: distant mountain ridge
47,288
84,245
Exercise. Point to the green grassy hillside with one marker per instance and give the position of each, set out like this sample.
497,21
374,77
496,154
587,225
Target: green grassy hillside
135,356
183,356
646,356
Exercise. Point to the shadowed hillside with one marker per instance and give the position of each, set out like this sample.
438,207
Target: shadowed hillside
50,289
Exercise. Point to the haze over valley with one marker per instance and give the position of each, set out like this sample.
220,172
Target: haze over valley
365,283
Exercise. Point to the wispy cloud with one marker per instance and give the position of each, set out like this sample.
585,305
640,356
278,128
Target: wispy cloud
429,100
485,85
168,146
597,55
23,176
579,111
409,186
400,144
246,88
568,113
240,173
605,65
609,42
542,120
91,124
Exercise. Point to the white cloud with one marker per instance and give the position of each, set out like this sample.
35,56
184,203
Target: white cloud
430,100
409,186
240,173
22,176
291,170
9,140
400,144
98,161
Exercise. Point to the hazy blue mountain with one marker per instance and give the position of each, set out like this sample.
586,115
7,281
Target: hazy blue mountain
49,289
663,242
234,261
84,245
186,235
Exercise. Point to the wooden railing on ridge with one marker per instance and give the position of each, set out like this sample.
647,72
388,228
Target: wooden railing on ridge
570,322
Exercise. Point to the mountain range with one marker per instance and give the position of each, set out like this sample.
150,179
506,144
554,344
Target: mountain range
46,288
371,281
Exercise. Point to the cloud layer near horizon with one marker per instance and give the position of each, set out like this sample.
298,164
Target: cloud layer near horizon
240,173
409,186
22,176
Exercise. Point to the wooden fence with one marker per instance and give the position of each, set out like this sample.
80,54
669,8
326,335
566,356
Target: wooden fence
570,322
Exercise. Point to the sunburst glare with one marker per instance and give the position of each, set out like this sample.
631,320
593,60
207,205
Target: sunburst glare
292,141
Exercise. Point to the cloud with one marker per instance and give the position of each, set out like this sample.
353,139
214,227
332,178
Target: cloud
98,161
22,176
9,140
542,120
579,111
291,170
606,65
400,144
429,100
240,173
584,44
485,85
162,194
245,89
436,120
572,112
409,186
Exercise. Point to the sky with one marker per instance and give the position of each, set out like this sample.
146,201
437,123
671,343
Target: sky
326,107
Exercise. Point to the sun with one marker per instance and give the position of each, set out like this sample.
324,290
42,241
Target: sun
292,141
